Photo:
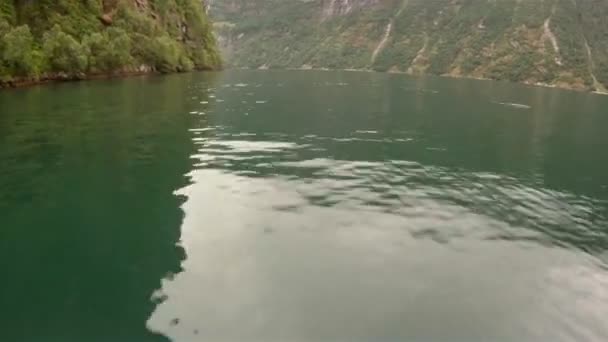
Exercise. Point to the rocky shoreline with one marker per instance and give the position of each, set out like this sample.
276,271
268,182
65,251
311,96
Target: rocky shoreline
562,86
61,78
24,82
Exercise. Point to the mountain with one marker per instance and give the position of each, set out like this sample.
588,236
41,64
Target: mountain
560,43
64,39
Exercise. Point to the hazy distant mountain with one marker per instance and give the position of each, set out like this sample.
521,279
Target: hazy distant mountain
554,42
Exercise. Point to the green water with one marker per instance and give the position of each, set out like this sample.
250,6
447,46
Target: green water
303,206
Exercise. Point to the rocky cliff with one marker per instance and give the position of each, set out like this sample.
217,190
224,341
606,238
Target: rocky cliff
552,42
65,39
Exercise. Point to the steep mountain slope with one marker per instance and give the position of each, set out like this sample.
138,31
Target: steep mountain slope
554,42
74,38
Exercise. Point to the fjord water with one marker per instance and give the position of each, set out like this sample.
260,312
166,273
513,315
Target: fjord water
303,206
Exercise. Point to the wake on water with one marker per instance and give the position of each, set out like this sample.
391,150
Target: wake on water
514,105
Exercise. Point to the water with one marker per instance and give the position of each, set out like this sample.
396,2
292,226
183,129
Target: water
303,206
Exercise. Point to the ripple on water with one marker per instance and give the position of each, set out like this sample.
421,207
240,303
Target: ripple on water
287,235
305,241
432,201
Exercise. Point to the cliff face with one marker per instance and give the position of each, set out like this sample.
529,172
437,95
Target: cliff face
48,39
333,8
554,42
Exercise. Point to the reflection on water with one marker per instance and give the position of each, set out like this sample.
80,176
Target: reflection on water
338,206
303,206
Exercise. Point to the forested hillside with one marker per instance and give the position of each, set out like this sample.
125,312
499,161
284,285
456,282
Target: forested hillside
64,39
552,42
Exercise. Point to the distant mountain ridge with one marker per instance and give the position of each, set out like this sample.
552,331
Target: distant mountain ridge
561,43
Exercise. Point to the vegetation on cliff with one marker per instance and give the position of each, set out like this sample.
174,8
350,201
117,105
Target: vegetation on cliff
74,38
554,42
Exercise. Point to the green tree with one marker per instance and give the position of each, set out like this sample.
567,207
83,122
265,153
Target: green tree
95,43
167,55
185,63
120,47
7,10
4,72
18,52
4,27
64,53
109,51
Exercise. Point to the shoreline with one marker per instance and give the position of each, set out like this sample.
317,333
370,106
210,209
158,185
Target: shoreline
58,78
463,77
20,83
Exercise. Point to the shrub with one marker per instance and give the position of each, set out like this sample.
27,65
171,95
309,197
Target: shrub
167,54
18,52
63,52
4,27
185,64
120,48
109,51
7,11
133,21
201,58
143,49
96,44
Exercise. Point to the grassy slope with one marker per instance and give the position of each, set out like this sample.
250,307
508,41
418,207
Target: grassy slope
497,39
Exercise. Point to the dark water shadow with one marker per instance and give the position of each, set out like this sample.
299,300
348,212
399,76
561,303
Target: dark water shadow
89,222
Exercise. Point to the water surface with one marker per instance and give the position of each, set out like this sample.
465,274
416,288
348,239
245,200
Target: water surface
303,206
